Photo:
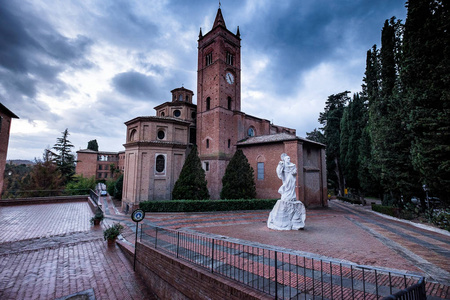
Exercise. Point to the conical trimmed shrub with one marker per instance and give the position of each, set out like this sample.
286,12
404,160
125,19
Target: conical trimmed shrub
238,181
191,185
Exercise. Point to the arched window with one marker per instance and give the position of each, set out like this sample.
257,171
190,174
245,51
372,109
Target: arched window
160,163
208,103
162,114
180,98
133,135
187,98
229,103
251,132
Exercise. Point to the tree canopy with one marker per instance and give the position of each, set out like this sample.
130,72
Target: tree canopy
394,136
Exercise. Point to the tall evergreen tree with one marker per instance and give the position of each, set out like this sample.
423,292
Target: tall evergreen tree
191,184
64,159
352,124
92,145
330,119
238,181
425,75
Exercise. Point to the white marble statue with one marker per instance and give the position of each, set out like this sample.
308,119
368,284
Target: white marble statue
288,213
287,172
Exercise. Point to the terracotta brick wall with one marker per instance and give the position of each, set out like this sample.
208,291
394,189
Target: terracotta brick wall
171,278
4,140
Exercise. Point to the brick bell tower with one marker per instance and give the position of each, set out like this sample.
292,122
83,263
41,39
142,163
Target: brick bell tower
218,100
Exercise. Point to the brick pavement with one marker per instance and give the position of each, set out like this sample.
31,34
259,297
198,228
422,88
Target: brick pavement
342,232
49,251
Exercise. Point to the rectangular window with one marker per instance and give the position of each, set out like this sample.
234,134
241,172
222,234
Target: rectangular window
206,166
99,167
1,121
230,58
208,59
260,171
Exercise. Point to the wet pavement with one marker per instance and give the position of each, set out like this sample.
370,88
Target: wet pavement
48,251
343,232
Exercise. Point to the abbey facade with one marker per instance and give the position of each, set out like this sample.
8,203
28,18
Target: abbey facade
156,146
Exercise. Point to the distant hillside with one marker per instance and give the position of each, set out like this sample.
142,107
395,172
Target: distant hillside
20,162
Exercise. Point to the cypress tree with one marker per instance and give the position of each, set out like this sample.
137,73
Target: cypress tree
331,120
425,76
238,181
351,131
191,184
93,145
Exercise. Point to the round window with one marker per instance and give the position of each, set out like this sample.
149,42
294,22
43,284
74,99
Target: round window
177,113
251,132
160,163
161,134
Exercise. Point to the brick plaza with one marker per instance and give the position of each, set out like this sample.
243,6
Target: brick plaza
48,251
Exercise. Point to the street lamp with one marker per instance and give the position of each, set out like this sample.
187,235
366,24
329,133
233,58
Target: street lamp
426,189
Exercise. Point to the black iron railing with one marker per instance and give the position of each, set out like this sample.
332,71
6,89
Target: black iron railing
94,196
281,274
414,292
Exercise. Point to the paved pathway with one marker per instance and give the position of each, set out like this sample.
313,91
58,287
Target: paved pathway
343,232
48,251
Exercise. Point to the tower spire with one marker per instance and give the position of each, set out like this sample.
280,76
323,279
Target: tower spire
219,21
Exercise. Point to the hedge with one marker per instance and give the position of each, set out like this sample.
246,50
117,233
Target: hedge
387,210
352,201
206,205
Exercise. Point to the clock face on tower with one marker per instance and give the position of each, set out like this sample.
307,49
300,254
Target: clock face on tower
230,78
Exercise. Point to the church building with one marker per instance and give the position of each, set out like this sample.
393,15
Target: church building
156,146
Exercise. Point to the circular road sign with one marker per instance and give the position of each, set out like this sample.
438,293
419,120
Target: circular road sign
138,215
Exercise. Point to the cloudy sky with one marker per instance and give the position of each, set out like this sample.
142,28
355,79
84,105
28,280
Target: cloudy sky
92,65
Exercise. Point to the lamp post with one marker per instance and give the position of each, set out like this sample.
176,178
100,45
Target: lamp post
425,188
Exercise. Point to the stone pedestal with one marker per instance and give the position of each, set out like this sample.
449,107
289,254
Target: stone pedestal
287,215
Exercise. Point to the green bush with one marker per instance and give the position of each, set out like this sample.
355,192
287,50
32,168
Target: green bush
80,185
206,205
387,210
352,201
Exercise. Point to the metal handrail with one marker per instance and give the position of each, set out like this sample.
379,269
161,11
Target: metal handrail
280,273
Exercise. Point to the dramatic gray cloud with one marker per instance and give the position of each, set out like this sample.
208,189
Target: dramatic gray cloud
90,66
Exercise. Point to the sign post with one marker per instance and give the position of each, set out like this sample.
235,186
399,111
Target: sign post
137,216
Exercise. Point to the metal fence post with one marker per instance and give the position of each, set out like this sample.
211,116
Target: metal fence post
276,276
178,241
212,256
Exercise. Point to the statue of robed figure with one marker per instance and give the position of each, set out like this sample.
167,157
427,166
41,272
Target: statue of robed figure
288,213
